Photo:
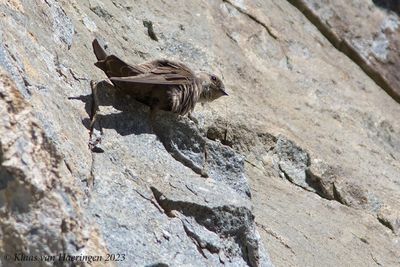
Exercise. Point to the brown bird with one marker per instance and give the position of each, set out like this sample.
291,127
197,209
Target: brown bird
160,84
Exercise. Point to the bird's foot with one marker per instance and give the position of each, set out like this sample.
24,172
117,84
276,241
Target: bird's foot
193,119
95,134
95,141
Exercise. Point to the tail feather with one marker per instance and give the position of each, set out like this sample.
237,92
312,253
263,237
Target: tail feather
98,50
112,65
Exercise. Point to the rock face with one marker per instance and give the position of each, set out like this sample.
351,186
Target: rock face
165,209
40,203
302,158
366,31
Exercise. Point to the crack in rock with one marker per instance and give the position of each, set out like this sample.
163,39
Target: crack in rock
234,225
181,138
296,165
201,238
346,48
293,161
253,18
326,181
38,200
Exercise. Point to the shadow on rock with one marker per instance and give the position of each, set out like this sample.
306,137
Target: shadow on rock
132,118
88,100
180,136
391,5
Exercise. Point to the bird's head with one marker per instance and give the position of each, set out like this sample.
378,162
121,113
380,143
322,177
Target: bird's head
212,87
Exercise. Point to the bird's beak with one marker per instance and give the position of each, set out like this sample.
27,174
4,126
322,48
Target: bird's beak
225,93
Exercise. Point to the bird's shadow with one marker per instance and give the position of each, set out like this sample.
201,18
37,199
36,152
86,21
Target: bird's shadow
180,136
132,118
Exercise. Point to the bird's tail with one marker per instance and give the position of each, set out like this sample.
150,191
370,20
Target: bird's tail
101,55
98,50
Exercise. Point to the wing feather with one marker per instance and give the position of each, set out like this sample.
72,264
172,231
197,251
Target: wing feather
113,66
161,72
152,79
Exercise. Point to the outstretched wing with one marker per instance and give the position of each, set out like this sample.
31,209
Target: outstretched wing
159,72
113,66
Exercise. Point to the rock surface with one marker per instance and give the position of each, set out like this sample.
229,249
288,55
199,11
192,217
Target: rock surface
39,200
366,31
302,158
165,209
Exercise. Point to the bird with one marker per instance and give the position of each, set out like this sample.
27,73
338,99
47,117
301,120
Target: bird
161,84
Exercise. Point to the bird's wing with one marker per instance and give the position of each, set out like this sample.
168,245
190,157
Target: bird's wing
161,72
113,66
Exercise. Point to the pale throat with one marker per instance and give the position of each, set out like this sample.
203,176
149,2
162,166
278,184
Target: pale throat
205,95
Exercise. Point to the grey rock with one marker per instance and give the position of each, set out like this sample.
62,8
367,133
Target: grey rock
6,63
293,162
219,227
139,191
227,166
372,48
39,218
63,29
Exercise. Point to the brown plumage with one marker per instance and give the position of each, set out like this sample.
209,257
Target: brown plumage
160,84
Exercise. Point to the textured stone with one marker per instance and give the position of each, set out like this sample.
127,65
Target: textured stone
296,105
39,198
221,229
374,48
293,162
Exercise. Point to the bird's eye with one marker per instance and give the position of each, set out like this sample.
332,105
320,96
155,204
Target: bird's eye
213,78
